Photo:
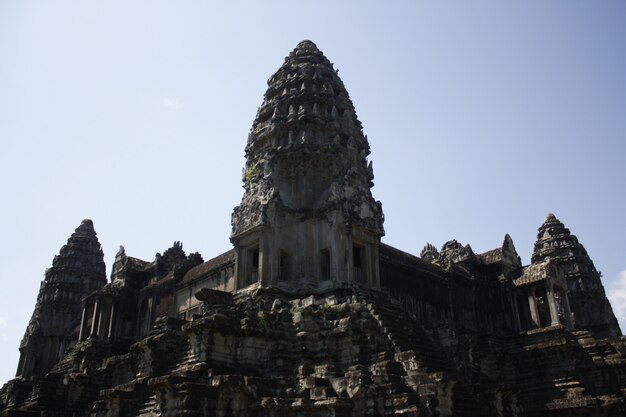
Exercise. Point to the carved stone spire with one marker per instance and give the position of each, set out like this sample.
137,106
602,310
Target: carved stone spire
429,253
510,258
76,271
80,260
307,180
119,266
592,310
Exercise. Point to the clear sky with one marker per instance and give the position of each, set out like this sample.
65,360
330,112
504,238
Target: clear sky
482,117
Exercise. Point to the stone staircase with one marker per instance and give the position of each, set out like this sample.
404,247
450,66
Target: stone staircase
148,407
423,366
69,363
349,353
606,374
601,350
545,364
179,356
404,334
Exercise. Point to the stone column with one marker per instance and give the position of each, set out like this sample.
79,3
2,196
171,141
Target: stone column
94,318
532,304
376,266
111,321
569,320
554,313
242,267
263,271
103,319
82,324
237,269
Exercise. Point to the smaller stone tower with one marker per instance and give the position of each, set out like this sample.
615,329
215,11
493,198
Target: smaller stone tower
592,310
76,271
307,217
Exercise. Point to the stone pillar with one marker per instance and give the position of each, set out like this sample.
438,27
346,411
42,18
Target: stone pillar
103,319
262,268
554,313
532,304
341,258
83,324
111,321
239,267
367,265
376,266
94,318
569,319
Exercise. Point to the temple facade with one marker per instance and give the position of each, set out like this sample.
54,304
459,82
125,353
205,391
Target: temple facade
310,314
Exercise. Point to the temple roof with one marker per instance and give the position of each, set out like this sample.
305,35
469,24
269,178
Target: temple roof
553,235
397,256
306,93
306,150
491,256
538,272
206,267
81,258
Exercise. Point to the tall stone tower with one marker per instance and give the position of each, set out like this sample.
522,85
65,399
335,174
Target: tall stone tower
307,218
592,310
76,271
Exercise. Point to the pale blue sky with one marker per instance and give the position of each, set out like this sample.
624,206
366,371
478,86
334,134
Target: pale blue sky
482,117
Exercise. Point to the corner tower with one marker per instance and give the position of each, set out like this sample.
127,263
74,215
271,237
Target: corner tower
76,271
307,218
592,310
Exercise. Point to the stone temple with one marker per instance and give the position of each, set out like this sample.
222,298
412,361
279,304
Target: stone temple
310,315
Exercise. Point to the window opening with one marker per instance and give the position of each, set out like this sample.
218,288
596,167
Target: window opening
325,264
358,263
253,266
283,273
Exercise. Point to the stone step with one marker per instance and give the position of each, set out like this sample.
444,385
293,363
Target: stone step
148,407
393,320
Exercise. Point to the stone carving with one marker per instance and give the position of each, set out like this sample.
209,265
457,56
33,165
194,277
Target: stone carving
274,156
306,169
267,352
310,314
76,271
429,253
452,252
175,259
592,310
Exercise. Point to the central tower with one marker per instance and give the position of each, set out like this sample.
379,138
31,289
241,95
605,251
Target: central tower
307,218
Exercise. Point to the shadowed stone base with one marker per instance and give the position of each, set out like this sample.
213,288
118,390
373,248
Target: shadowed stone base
346,352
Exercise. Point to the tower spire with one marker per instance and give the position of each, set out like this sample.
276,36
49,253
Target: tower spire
76,271
592,310
307,213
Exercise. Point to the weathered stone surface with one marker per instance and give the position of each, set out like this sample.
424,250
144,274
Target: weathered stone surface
309,314
343,352
592,310
76,271
307,215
